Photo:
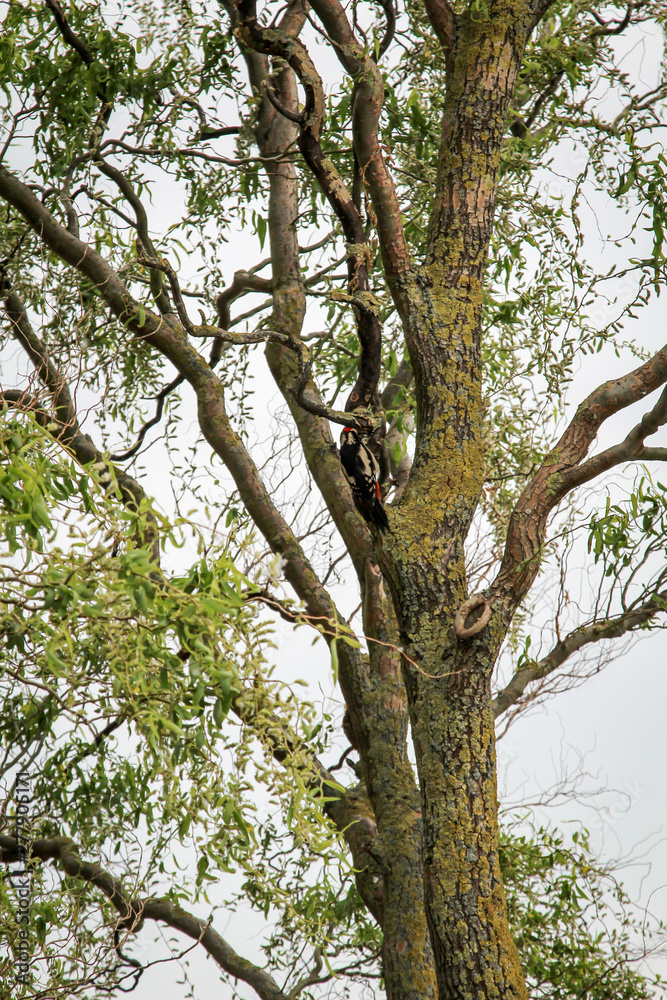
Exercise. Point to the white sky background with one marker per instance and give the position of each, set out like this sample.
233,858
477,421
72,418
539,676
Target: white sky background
611,731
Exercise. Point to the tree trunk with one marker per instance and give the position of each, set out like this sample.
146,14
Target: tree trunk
448,678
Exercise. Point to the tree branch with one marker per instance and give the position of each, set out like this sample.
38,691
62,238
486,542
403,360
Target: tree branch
538,9
619,26
69,36
87,56
610,628
49,374
632,447
443,22
399,429
368,100
80,445
283,45
125,456
390,30
122,183
168,338
561,472
133,912
63,424
365,423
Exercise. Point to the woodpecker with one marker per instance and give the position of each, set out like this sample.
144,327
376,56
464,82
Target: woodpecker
362,471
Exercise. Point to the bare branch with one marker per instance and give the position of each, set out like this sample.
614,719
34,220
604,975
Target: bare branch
206,131
390,30
195,154
443,22
610,628
368,99
653,455
310,120
125,456
618,26
243,281
561,472
120,180
632,447
298,118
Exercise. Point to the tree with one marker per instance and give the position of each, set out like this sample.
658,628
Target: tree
422,172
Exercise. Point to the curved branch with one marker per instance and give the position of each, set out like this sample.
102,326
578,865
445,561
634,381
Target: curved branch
443,21
369,97
562,471
63,424
125,456
49,374
618,26
538,9
390,29
87,56
243,281
77,254
122,183
610,628
298,117
632,447
134,912
464,631
279,43
69,36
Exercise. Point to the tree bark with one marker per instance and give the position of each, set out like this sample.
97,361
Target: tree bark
372,687
448,679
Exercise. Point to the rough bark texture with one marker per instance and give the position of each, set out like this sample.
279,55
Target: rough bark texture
426,851
373,687
448,680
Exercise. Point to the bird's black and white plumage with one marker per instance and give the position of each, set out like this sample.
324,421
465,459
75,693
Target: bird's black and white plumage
361,471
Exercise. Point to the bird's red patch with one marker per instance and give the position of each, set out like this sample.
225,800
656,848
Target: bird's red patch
377,490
